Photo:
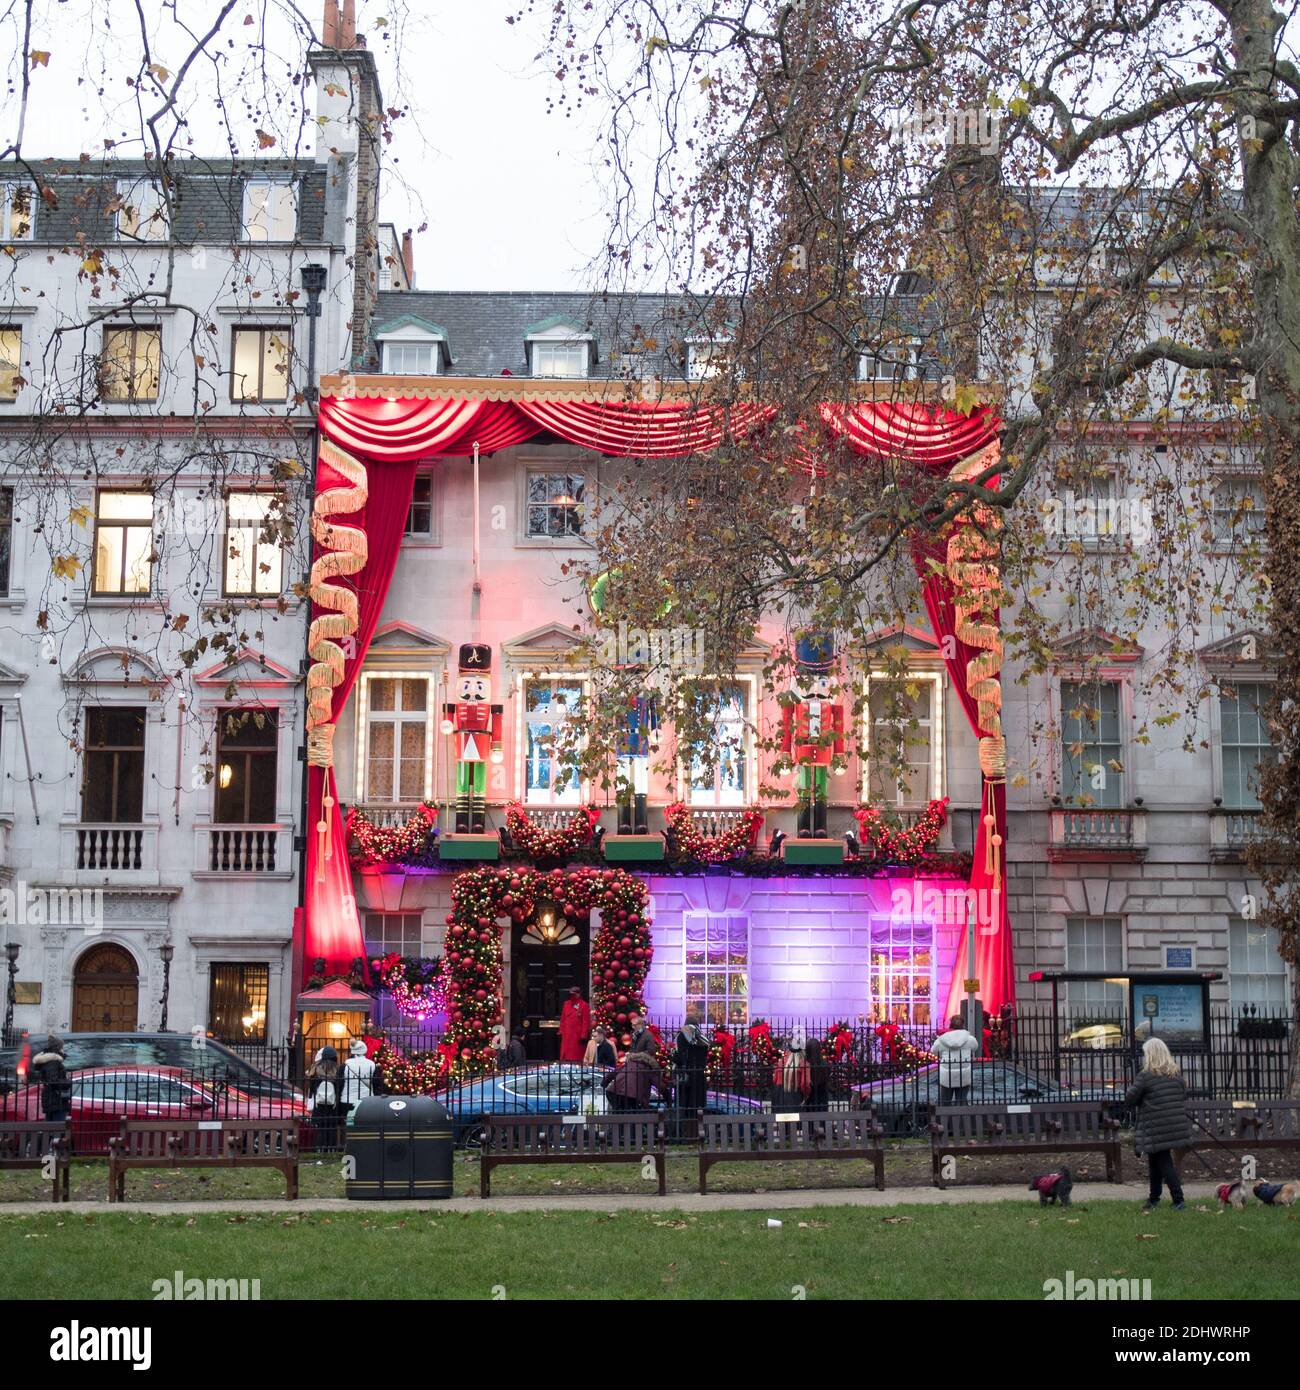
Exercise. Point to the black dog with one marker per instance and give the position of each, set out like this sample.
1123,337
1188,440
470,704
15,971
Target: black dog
1053,1188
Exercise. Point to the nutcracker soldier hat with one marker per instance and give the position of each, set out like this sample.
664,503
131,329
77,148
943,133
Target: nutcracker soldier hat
815,652
475,656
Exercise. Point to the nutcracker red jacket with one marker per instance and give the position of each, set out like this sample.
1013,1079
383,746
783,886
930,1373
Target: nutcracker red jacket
798,739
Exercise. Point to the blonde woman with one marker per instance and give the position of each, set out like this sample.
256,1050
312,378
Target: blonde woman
1162,1125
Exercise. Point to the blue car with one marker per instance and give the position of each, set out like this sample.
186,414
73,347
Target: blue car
563,1088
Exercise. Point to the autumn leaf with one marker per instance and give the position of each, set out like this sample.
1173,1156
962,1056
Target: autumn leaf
40,58
92,264
654,44
66,566
159,72
80,516
264,140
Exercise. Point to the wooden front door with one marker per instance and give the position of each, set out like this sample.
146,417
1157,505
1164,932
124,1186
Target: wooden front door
543,971
105,992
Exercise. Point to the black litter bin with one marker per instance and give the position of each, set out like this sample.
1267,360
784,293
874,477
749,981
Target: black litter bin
399,1146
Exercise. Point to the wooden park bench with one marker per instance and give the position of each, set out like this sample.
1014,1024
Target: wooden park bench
807,1134
616,1138
1245,1126
34,1144
1048,1127
203,1144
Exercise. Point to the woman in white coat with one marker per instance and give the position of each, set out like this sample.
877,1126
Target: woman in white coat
357,1077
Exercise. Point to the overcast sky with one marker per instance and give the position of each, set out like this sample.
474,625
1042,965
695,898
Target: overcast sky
508,191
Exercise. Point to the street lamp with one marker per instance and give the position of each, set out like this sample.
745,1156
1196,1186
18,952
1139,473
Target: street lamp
11,994
166,951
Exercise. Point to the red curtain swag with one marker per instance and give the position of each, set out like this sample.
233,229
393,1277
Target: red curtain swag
401,432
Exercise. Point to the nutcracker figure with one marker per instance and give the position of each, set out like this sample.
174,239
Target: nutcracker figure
635,745
812,729
477,726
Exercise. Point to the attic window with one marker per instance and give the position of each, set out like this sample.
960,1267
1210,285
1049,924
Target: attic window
707,361
559,358
413,358
895,362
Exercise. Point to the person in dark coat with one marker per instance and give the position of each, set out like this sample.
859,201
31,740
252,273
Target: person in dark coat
643,1040
819,1075
323,1088
600,1051
690,1058
630,1086
1162,1127
50,1071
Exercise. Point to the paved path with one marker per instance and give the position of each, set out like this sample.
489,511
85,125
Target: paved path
675,1201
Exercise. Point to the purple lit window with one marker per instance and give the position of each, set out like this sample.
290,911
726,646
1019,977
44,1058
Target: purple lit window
902,973
717,967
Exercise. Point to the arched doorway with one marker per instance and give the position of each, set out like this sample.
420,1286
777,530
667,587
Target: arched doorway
105,991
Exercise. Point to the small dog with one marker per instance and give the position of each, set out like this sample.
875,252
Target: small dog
1053,1188
1277,1194
1233,1194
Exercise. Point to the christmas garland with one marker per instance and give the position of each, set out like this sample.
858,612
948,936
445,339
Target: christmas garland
906,845
415,982
761,1046
407,843
839,1040
620,953
711,849
561,843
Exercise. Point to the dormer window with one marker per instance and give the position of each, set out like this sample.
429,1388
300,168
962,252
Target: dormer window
142,211
706,361
559,347
899,361
560,359
270,211
412,346
411,358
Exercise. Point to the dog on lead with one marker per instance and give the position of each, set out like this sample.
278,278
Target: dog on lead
1277,1194
1232,1194
1053,1188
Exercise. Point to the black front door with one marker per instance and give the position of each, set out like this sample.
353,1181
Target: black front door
542,973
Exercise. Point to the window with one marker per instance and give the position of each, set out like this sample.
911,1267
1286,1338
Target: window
130,363
112,791
412,359
11,361
705,361
1238,511
270,210
559,359
902,972
896,362
392,931
6,538
237,996
904,741
142,215
547,706
246,765
420,517
397,738
17,211
123,542
254,554
726,783
554,506
1094,944
1256,972
717,968
259,364
1092,768
1245,741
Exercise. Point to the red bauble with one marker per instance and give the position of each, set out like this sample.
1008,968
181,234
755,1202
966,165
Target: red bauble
623,975
626,943
609,975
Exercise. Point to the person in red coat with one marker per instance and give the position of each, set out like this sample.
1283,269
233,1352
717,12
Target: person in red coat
575,1026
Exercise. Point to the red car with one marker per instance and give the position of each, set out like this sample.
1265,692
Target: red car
104,1096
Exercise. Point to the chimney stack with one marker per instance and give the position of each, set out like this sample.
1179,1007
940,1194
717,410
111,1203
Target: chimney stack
329,28
348,25
408,259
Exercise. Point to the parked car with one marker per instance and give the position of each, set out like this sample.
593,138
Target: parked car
562,1088
101,1097
183,1051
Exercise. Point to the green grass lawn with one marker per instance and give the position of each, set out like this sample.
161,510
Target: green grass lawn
1002,1250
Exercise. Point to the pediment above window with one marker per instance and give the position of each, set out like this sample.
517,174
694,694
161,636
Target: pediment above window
115,666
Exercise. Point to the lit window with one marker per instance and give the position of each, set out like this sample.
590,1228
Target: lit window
904,744
123,542
17,211
246,767
391,931
1256,970
237,998
129,366
270,210
1094,945
254,554
411,359
717,968
419,516
397,739
1246,743
902,972
559,359
142,215
725,783
555,506
549,777
1238,511
1092,750
11,361
259,364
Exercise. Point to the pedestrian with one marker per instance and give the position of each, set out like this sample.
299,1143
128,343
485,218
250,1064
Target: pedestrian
575,1026
600,1051
790,1080
49,1068
1162,1127
955,1049
324,1092
690,1058
819,1075
514,1053
358,1077
630,1086
643,1040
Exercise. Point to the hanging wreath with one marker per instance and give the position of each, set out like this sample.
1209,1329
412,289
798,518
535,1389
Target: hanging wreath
416,1074
620,953
761,1047
562,842
415,982
722,1048
407,843
712,849
839,1039
906,844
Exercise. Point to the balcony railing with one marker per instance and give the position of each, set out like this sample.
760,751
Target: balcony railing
1097,830
719,820
244,849
1231,831
387,815
111,848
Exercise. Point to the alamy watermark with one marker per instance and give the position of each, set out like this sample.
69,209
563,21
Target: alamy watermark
193,1290
923,902
681,648
1085,1290
978,127
25,904
1087,518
